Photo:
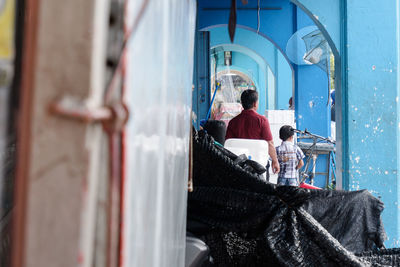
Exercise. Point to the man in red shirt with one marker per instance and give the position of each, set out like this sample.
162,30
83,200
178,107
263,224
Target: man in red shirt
251,125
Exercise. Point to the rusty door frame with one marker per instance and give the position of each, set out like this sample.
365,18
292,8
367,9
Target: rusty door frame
28,61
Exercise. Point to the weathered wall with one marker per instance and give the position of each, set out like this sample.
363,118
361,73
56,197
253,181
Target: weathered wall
367,35
371,126
65,154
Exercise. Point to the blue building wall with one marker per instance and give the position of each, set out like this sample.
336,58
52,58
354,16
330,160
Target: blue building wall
312,92
372,107
312,100
271,81
369,98
272,27
272,24
367,35
201,77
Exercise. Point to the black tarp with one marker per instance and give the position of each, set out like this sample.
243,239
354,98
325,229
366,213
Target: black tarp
353,218
248,222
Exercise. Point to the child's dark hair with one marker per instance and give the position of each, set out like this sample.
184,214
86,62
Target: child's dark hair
285,132
217,129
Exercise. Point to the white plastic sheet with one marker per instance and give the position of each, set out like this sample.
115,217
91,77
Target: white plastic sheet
158,92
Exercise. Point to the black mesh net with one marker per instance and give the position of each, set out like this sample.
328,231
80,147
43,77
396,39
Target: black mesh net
248,222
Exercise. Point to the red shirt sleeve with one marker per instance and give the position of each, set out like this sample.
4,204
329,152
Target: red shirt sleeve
266,130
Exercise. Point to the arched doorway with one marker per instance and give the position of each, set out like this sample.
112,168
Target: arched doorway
274,75
230,85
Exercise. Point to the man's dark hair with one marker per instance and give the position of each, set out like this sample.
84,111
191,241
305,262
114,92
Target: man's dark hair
248,98
285,132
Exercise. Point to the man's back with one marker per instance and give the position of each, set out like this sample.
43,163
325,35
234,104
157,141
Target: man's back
250,125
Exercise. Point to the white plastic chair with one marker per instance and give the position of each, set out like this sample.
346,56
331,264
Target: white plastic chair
256,150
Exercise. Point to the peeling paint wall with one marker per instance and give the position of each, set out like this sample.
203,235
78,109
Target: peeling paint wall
369,46
66,156
373,108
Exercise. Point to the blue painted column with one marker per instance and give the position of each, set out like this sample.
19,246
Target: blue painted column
285,83
312,108
312,111
371,121
201,92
